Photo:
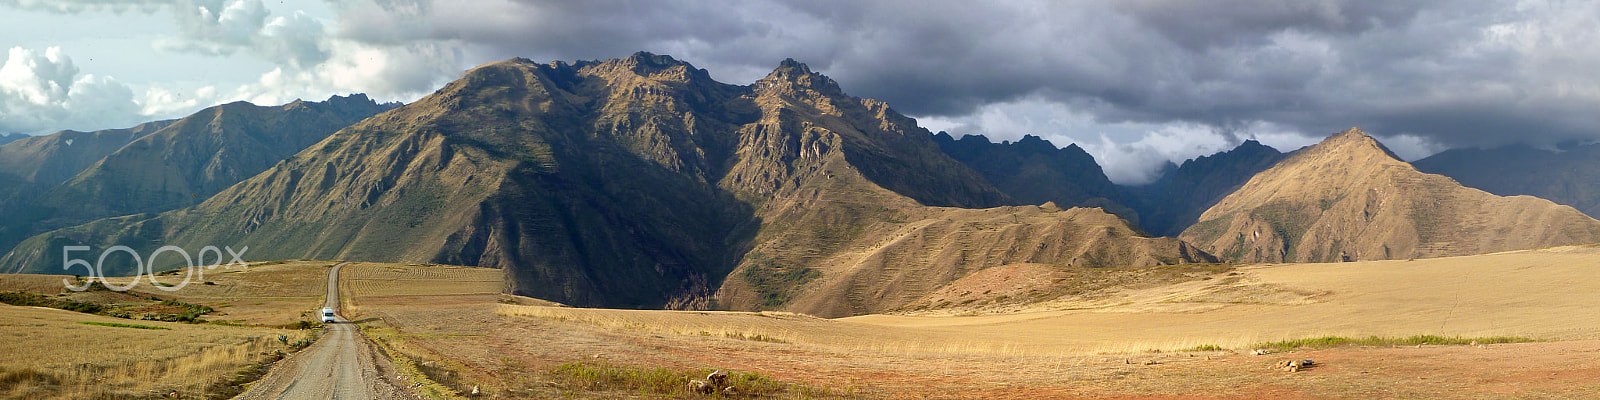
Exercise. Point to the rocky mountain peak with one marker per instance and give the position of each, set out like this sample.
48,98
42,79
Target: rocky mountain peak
353,99
1352,132
1353,141
793,75
648,64
1031,143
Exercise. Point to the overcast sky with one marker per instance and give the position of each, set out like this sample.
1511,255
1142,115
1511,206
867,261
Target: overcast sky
1137,83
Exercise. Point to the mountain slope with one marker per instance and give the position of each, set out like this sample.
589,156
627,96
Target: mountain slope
894,255
1568,175
12,137
1348,197
54,158
157,166
31,165
635,182
199,155
836,242
1175,201
1033,171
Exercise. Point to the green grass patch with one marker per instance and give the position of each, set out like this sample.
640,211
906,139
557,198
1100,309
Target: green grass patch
592,377
122,325
1377,341
1205,347
186,312
27,299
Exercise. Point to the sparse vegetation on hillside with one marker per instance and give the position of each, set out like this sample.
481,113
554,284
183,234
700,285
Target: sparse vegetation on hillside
1288,222
774,284
1209,230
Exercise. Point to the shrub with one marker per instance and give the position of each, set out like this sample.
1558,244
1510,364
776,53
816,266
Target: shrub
121,325
1338,341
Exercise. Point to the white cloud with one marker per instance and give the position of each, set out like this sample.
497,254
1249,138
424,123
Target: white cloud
1130,153
384,72
1141,161
1411,147
77,6
42,92
218,28
1280,137
295,41
164,102
310,63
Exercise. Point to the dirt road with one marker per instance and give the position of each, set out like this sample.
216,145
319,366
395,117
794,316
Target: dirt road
341,365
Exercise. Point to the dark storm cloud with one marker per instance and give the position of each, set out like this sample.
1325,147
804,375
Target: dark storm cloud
1457,72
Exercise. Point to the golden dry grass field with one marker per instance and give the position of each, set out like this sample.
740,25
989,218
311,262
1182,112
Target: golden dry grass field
52,353
1543,294
1187,339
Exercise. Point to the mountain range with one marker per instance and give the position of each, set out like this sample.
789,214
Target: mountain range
642,182
1567,174
1175,200
68,178
12,137
1034,171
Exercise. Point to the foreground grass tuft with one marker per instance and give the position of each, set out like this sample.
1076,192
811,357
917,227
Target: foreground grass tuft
1341,341
121,325
429,377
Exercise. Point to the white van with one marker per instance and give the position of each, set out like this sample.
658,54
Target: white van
327,315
